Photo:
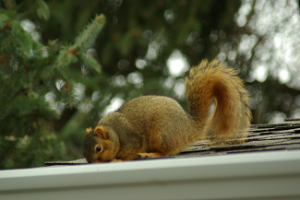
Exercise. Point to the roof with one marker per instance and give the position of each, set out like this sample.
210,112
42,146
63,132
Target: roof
267,166
262,137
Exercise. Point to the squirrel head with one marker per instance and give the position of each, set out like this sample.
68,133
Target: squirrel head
98,147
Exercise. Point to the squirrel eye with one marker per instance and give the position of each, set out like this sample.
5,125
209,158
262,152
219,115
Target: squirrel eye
98,148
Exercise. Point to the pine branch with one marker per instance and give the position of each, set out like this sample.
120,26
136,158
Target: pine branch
82,43
67,86
65,57
90,61
18,38
9,4
6,42
25,41
26,105
3,19
88,36
43,9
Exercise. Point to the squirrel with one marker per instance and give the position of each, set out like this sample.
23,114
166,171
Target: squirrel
154,126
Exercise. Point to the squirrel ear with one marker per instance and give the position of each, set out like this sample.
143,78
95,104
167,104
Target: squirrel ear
88,130
100,132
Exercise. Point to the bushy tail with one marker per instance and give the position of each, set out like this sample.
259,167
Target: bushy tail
211,81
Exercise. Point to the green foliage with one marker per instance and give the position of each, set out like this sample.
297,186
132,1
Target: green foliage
29,71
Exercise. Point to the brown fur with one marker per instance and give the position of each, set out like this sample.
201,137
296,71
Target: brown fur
232,115
152,126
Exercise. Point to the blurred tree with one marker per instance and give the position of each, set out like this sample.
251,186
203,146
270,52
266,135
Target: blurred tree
145,48
29,70
267,53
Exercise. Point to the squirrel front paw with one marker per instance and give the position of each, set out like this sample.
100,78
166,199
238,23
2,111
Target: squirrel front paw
149,155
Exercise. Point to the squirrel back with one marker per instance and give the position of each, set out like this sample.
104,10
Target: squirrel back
152,126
